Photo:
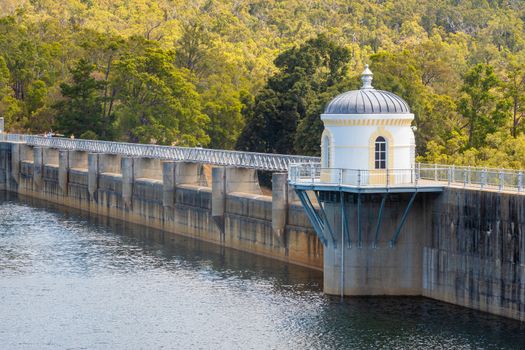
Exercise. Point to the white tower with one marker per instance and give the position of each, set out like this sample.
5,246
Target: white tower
369,130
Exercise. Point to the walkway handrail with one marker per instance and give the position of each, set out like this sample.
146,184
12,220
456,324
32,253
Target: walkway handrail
260,161
300,168
421,175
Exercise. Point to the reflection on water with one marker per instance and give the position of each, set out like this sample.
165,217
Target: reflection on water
69,280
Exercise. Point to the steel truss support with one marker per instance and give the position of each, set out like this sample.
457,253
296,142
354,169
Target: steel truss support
324,219
321,224
403,219
314,217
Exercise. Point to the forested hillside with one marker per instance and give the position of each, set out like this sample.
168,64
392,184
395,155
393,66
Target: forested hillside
256,74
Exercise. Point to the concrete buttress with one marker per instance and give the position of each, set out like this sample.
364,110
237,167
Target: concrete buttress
127,165
218,196
38,168
93,172
279,204
168,183
63,170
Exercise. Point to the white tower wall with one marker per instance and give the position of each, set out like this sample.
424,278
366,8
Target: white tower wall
353,121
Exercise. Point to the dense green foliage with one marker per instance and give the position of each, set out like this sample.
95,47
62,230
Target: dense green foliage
256,74
81,110
285,115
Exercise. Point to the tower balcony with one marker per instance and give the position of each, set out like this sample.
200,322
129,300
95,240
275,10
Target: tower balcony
421,178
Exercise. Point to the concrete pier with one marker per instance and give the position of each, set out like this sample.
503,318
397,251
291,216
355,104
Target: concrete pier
461,246
38,168
63,171
93,174
168,184
279,204
218,196
128,174
365,262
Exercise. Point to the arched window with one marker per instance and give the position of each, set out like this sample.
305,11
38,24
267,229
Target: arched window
380,153
326,151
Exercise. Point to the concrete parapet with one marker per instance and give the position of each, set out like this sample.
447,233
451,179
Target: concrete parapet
127,165
38,168
78,160
187,173
242,180
93,173
109,163
147,168
26,153
279,204
50,156
63,170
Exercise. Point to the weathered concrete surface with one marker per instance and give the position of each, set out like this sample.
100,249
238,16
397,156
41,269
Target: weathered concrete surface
476,253
463,246
279,204
375,267
164,195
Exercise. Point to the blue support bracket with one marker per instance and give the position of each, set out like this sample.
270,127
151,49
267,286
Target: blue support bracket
318,218
403,219
379,219
324,218
312,215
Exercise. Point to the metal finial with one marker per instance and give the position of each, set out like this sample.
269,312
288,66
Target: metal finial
366,78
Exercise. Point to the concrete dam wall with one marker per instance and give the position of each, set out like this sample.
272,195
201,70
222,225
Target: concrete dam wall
461,246
476,253
225,206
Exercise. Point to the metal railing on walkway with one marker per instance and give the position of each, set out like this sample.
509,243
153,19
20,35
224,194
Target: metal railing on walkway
260,161
421,175
301,169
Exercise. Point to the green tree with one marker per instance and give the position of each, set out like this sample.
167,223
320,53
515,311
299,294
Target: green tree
157,103
81,109
193,45
304,73
5,78
36,96
223,107
10,108
514,92
478,102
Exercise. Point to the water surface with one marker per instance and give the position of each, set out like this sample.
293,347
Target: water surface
70,280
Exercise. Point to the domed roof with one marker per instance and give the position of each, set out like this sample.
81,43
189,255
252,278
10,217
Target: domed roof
367,100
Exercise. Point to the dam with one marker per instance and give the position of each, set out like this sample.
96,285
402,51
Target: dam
374,221
463,244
